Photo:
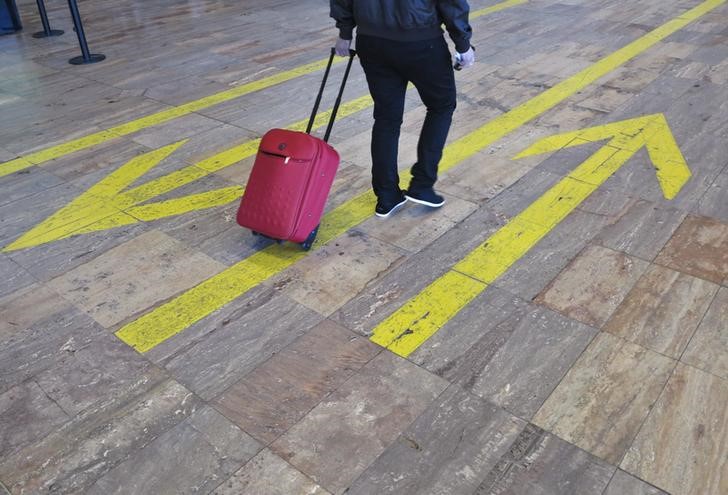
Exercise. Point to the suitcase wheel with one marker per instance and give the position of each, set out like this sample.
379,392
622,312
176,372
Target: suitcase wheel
309,240
258,234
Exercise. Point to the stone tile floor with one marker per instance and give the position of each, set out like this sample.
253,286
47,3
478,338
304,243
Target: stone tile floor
597,364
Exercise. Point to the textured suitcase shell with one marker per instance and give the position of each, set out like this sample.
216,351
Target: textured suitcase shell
288,186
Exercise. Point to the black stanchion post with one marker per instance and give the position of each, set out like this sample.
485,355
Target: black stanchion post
47,31
86,56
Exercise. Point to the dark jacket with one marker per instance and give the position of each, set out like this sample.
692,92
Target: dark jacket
404,20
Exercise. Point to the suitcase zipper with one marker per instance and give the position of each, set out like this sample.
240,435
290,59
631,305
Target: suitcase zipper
286,158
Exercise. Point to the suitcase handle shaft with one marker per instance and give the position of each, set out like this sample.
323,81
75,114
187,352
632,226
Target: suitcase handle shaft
352,54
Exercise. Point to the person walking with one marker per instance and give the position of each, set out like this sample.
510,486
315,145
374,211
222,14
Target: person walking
398,42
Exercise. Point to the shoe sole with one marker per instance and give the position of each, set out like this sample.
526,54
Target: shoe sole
423,202
394,208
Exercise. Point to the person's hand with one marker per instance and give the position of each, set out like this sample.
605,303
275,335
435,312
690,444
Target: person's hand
465,60
342,47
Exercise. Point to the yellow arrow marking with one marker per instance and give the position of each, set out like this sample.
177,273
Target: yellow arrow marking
167,320
53,152
102,203
403,331
103,206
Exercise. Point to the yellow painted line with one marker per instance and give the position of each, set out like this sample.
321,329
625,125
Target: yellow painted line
173,317
161,117
496,8
453,291
186,204
500,251
53,152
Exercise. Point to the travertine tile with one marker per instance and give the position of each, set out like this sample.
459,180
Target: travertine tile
191,457
86,373
699,248
25,183
708,350
24,307
712,55
525,191
482,177
48,261
630,79
14,276
604,99
329,277
72,457
540,463
662,311
176,130
625,484
268,474
714,202
416,226
604,398
276,395
528,276
642,231
155,267
683,445
215,233
210,144
451,448
341,436
593,285
512,355
215,322
29,350
103,156
244,340
26,416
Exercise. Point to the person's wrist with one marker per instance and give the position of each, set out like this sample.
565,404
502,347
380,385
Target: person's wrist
346,34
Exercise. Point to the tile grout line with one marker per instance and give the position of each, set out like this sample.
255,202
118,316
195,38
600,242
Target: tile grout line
414,420
702,319
272,356
651,410
702,197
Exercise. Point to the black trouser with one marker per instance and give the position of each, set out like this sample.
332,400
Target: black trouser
389,65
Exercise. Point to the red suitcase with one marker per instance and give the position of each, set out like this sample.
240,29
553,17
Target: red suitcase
291,179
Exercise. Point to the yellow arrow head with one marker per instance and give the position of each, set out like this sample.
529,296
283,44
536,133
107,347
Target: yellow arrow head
100,207
625,139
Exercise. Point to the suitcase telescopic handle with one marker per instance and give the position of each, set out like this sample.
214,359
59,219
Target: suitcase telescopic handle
352,54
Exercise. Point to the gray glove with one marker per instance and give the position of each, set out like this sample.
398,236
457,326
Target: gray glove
342,47
465,60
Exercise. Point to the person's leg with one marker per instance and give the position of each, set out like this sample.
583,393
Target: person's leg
388,89
435,82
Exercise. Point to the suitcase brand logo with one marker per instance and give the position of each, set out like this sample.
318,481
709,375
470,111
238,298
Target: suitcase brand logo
282,146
